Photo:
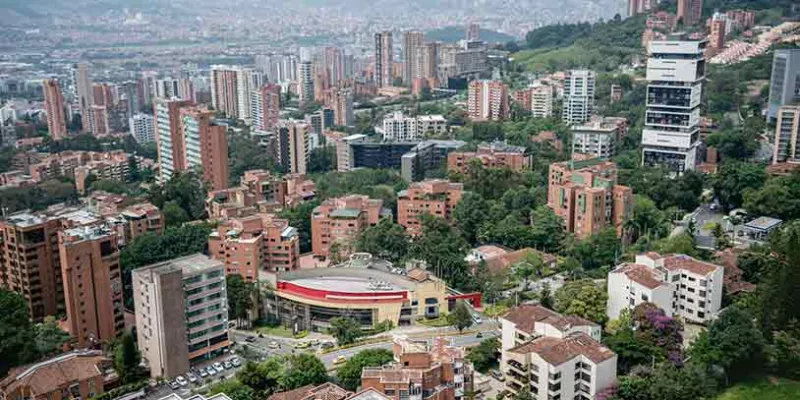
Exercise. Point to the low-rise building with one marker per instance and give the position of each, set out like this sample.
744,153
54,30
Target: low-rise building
397,127
74,375
598,137
678,284
341,220
181,313
254,243
493,155
259,191
436,197
554,356
436,371
499,259
586,195
141,219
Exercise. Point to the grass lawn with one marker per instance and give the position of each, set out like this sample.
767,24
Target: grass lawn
435,322
780,389
280,331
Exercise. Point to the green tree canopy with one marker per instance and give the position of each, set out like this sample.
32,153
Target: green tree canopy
461,316
484,355
304,369
346,330
127,359
386,240
349,374
582,298
733,179
732,341
17,335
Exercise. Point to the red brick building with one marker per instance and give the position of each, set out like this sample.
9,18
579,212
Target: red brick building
436,197
341,221
494,155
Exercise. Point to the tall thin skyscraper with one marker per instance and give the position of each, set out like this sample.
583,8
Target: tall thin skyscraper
266,104
169,137
413,56
231,88
54,107
784,85
675,75
84,92
133,104
334,63
473,32
578,96
383,59
206,146
343,107
305,81
690,11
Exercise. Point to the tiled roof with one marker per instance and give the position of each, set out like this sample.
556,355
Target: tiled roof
295,394
369,394
686,263
640,274
505,261
526,316
558,351
563,323
51,374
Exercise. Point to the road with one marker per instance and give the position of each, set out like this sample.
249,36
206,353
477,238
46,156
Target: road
163,389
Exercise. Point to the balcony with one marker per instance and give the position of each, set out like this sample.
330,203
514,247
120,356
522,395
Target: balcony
517,366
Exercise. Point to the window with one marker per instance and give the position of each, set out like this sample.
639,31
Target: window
644,297
701,314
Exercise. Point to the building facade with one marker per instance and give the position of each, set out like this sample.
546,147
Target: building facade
492,155
384,62
260,242
784,81
74,375
295,142
181,313
678,284
413,56
143,128
435,197
690,11
579,90
169,137
487,101
259,191
231,87
92,280
787,129
54,107
266,107
341,221
675,75
598,137
586,195
206,145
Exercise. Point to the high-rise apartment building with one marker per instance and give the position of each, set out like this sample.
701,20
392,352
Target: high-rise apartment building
169,137
341,221
104,94
636,7
259,242
343,107
305,82
675,75
717,36
266,107
143,128
787,129
92,280
169,88
586,195
690,11
295,142
598,137
487,101
98,120
333,59
542,101
413,56
384,62
206,145
398,127
54,107
131,97
181,313
473,32
231,88
579,92
430,60
84,93
435,197
784,85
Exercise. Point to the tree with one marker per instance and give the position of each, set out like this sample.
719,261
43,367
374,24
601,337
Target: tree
531,266
469,214
777,291
784,352
322,159
524,394
174,215
304,369
346,330
17,335
599,250
484,355
582,298
732,341
240,298
49,337
234,389
733,179
461,316
349,374
265,377
386,240
187,189
127,359
680,244
548,229
443,248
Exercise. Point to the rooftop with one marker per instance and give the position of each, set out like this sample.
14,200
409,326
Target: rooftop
526,316
325,391
346,213
764,223
686,263
188,264
368,394
558,351
54,373
640,274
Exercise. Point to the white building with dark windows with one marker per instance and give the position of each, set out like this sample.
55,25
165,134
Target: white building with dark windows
579,88
675,75
554,356
678,284
143,128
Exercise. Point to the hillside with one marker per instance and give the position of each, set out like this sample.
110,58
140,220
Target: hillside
453,34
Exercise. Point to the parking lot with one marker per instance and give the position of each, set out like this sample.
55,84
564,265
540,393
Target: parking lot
199,378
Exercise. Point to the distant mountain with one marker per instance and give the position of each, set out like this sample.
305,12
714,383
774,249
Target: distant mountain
452,34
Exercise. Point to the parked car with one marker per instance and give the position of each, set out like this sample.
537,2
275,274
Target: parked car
211,371
181,380
497,375
203,373
339,360
235,361
227,365
301,345
273,345
250,339
174,385
477,318
327,345
191,377
217,366
314,342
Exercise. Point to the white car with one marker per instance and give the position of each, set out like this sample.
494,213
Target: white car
211,371
218,367
273,344
192,377
235,361
181,380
